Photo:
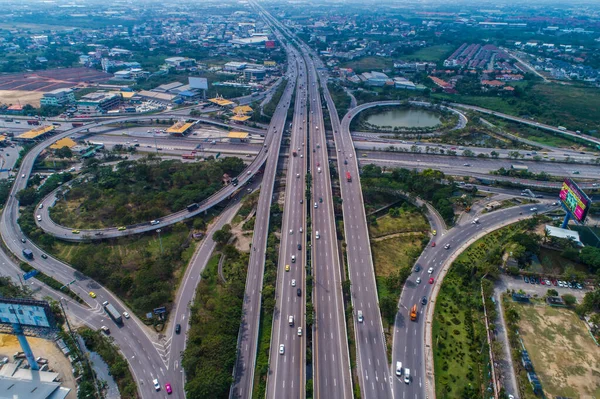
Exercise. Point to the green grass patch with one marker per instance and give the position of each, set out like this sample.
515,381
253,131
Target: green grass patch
209,357
369,63
404,222
394,254
431,54
117,364
393,258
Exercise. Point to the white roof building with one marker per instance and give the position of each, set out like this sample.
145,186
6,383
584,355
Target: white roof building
564,233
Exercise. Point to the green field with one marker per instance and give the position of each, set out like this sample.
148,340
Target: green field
431,54
406,222
393,254
574,107
370,63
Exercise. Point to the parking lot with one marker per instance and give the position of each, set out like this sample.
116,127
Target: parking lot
517,283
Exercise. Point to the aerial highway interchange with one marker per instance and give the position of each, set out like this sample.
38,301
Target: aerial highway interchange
308,246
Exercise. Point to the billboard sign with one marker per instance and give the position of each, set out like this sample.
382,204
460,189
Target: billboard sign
26,312
198,83
575,201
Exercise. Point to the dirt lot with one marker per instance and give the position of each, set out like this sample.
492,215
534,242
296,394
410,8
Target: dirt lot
46,349
27,88
564,355
21,96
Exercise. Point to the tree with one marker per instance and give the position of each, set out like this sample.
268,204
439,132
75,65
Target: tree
221,237
388,307
494,154
590,257
27,196
552,292
64,152
569,299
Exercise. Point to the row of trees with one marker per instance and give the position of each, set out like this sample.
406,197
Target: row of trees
211,348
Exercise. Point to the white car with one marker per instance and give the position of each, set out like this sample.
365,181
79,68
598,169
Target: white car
156,384
281,349
126,315
418,280
430,270
299,331
291,231
316,205
293,282
447,246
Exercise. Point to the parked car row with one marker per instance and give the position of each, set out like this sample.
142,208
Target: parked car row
553,282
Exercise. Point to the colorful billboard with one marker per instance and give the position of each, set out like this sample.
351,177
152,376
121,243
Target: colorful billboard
574,200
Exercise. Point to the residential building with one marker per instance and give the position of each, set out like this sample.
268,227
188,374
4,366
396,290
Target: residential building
58,98
98,103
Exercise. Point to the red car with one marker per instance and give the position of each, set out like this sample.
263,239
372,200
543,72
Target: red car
431,280
433,244
168,388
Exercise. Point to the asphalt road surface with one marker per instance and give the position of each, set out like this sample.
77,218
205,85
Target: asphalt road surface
409,336
286,376
331,361
477,165
248,336
372,367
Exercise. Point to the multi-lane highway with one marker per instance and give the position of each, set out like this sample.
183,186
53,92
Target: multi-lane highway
474,165
331,358
248,335
332,378
287,364
409,345
372,366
